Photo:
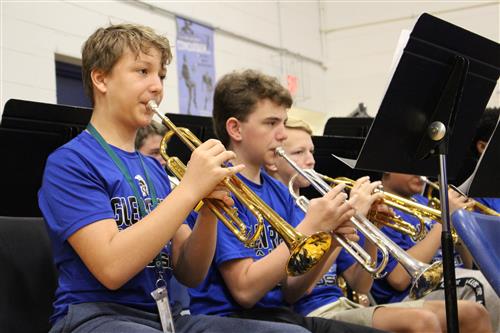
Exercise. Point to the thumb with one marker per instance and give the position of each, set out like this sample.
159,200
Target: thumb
235,169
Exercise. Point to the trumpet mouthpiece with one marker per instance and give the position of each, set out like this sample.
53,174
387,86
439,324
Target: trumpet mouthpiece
152,105
279,151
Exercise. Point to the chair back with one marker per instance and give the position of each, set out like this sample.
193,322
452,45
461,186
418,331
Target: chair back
28,277
480,234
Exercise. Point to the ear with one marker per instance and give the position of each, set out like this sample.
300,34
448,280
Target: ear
98,77
480,146
233,129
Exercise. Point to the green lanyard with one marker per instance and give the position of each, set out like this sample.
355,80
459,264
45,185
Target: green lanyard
126,173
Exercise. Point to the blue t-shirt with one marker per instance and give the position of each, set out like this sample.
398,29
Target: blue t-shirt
81,185
382,291
212,296
493,203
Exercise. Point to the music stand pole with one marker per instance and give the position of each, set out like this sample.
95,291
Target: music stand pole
450,289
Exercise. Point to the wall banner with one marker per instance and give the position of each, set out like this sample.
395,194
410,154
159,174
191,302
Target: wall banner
195,67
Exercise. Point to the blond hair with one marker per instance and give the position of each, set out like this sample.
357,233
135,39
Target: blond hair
299,124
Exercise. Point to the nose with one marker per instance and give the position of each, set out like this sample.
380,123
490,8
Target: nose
310,161
156,85
281,133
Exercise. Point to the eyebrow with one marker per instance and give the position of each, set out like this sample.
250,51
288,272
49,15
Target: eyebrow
273,118
163,69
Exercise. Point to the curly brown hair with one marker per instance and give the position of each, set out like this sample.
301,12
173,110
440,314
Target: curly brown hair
237,94
106,45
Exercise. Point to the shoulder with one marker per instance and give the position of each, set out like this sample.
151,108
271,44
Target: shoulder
421,199
274,184
73,153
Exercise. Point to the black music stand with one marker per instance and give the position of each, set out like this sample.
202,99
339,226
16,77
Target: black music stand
29,132
427,117
485,178
347,126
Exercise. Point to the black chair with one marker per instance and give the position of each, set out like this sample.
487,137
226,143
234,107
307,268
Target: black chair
28,277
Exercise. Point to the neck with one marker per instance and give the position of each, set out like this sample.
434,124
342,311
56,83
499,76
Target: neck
393,191
115,134
251,170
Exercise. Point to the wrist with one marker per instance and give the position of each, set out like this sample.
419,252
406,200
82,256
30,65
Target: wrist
306,227
187,194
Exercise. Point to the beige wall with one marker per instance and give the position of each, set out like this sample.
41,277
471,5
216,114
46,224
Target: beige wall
361,38
340,51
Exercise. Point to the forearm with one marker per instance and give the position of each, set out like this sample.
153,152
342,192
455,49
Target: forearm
141,242
197,251
358,278
423,251
464,254
426,249
249,280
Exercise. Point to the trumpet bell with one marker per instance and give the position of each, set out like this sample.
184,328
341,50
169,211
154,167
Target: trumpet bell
426,280
307,253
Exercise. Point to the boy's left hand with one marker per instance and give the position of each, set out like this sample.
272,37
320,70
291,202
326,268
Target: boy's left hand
362,195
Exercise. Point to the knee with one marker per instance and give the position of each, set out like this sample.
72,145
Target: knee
473,317
420,320
409,320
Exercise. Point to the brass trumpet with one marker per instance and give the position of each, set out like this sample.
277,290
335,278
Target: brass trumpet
476,205
394,222
425,278
352,247
305,251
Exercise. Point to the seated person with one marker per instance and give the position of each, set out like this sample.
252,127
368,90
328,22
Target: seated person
116,227
250,109
148,140
324,299
471,284
483,133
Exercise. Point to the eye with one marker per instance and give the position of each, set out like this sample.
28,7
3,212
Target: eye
142,71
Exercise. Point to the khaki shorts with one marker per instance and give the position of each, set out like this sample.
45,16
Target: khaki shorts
348,311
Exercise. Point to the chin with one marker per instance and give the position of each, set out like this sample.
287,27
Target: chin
270,158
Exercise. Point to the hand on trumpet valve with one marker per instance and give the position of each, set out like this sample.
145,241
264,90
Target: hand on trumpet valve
205,169
364,196
379,208
458,201
347,230
222,193
329,212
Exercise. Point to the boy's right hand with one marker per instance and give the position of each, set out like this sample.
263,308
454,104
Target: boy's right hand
330,211
205,171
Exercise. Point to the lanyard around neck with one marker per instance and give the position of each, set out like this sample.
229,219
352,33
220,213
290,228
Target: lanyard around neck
126,173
